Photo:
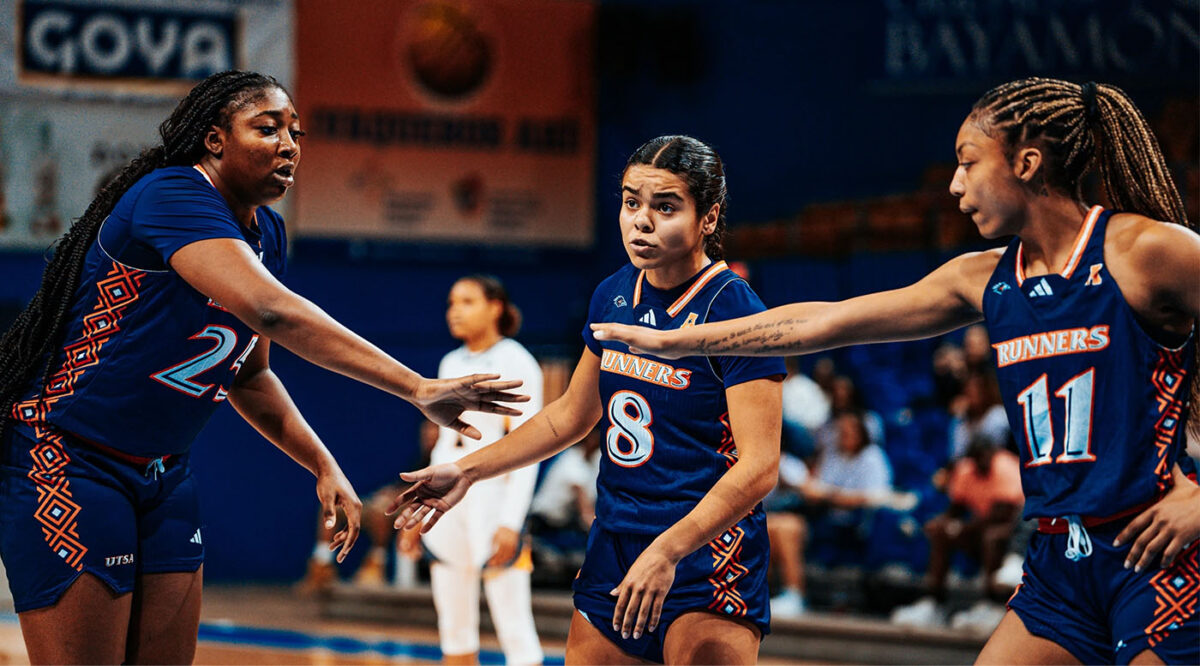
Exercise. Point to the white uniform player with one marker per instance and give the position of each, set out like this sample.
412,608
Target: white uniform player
461,543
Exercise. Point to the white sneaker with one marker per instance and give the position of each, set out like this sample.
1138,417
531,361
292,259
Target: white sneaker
981,618
790,603
925,612
1010,571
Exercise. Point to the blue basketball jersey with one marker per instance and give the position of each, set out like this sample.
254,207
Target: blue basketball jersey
1096,404
147,358
667,437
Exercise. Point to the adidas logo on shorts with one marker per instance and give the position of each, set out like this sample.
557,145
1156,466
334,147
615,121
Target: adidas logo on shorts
196,538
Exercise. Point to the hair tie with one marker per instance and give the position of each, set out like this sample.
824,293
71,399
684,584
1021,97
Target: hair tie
1091,110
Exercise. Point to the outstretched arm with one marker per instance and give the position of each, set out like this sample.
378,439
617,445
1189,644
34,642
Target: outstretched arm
260,398
562,423
227,271
948,298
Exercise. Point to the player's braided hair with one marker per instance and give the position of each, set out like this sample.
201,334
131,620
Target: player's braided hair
1081,127
700,167
38,330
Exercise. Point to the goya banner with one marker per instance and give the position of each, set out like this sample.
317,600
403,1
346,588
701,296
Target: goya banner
443,120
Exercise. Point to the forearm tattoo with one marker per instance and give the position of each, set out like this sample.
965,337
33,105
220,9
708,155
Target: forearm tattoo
551,424
770,337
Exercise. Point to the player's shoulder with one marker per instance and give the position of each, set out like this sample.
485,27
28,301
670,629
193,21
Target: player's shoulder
975,264
179,187
509,348
619,282
1148,241
732,297
176,178
618,279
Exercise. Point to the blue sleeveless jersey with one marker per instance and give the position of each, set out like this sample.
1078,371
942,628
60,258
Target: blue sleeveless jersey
667,433
147,358
1098,406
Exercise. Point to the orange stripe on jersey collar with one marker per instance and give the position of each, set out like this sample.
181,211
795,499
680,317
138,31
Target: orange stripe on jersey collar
1085,233
688,295
204,173
1081,241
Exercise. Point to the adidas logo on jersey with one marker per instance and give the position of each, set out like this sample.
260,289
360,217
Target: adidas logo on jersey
1042,289
648,318
196,538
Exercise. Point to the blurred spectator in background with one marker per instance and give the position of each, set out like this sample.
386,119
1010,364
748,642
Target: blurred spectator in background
805,409
855,472
980,415
322,572
853,477
977,349
563,509
823,373
845,399
949,375
984,488
788,532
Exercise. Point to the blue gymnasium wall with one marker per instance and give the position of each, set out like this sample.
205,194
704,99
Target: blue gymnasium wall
795,97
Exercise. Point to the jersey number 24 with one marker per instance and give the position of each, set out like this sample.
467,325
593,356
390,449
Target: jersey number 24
182,377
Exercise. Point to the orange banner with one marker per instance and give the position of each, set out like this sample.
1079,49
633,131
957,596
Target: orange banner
445,120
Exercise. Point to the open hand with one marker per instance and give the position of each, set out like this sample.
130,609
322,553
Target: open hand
434,491
641,593
1167,528
334,490
444,400
641,340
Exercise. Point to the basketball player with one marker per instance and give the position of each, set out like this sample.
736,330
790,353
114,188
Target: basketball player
676,560
159,304
483,538
1092,317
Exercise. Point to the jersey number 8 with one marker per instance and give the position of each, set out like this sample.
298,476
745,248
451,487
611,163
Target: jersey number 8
629,440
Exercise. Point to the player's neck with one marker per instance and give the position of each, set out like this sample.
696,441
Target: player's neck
242,212
678,272
483,342
1049,233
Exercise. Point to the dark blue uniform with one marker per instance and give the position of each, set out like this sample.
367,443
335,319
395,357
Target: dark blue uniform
96,476
1098,405
667,442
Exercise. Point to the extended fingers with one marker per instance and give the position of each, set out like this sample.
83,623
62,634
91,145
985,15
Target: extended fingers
623,595
1172,550
646,610
632,621
1147,548
1134,528
353,509
406,496
501,396
465,428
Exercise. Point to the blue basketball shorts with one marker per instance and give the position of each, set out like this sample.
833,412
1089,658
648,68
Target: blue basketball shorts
1103,613
727,576
67,508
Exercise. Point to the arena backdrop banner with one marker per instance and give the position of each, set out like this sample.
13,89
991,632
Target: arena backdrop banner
450,121
85,83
